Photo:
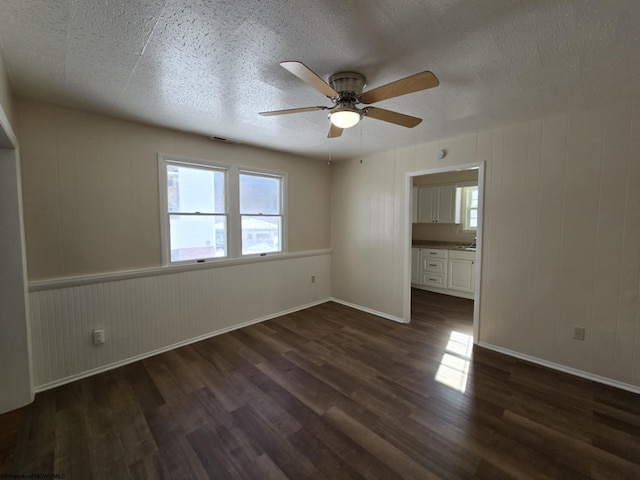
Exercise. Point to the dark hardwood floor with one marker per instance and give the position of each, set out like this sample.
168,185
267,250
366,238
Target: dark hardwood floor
330,393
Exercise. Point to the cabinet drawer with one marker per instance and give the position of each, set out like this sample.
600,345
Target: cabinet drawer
434,280
434,265
434,253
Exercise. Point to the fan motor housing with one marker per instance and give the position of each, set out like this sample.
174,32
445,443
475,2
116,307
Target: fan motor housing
349,83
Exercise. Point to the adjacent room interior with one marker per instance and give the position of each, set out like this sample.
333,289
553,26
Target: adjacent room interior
320,239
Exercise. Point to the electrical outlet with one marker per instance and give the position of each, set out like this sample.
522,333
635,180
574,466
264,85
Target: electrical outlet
98,336
313,279
579,333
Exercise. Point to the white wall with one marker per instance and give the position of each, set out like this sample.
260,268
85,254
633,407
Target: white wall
92,225
90,187
561,244
562,229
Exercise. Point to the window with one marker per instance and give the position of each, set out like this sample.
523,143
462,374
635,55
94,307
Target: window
260,212
196,211
470,208
215,212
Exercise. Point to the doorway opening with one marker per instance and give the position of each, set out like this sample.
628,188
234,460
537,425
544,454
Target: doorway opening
452,182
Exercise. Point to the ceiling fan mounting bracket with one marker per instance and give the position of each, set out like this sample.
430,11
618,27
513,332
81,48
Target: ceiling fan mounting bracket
348,84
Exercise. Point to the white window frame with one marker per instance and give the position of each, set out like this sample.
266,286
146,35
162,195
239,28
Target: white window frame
465,207
232,203
282,200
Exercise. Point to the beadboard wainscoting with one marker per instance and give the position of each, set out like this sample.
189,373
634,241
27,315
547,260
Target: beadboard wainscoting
145,315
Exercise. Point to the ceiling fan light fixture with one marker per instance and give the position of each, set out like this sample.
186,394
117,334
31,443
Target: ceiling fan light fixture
345,117
345,90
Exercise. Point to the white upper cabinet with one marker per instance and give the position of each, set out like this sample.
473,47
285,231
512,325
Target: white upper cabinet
438,204
427,202
448,205
414,204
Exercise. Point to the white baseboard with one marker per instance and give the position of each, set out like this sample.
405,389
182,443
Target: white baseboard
563,368
368,310
111,366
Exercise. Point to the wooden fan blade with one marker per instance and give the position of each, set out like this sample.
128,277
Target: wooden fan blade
334,131
414,83
305,74
291,110
392,117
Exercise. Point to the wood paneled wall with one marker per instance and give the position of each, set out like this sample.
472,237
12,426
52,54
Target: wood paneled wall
561,243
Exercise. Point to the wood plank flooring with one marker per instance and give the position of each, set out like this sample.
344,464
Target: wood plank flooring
331,393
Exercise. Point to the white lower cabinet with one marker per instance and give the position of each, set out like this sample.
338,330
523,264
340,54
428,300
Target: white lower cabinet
462,271
451,272
416,270
434,267
429,267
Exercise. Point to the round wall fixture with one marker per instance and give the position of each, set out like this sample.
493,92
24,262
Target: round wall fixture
441,154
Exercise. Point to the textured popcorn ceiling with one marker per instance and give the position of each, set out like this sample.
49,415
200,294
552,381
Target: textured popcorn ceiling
209,67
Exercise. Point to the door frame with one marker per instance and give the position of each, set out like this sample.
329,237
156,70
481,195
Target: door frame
15,336
408,237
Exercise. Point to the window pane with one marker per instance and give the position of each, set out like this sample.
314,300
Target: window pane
473,218
259,194
195,237
470,206
261,234
192,189
473,203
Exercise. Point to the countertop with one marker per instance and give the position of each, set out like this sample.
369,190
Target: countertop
442,244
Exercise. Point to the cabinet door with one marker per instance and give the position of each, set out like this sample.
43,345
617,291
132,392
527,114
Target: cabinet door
461,275
414,204
416,273
427,204
447,205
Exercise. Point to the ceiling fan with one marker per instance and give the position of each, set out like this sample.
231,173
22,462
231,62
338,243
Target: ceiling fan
345,91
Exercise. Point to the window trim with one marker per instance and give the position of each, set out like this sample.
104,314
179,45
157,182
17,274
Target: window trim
283,214
232,203
464,206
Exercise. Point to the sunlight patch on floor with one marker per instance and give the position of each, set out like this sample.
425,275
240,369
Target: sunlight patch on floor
454,366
